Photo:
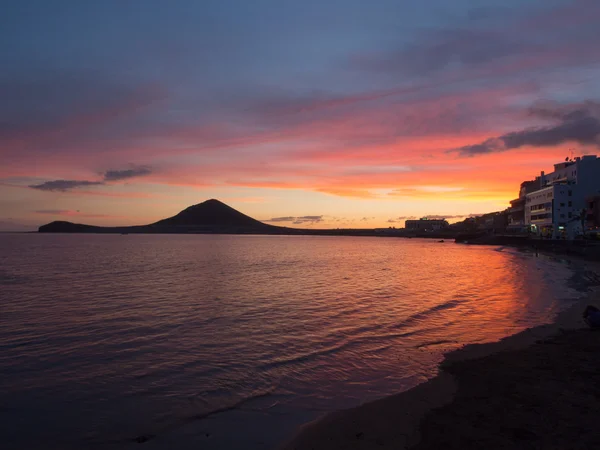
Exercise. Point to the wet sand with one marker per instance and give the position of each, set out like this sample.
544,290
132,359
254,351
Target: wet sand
537,389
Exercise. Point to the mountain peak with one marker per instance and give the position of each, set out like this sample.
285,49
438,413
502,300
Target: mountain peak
211,213
211,201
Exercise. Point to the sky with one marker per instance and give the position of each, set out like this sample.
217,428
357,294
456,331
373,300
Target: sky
320,113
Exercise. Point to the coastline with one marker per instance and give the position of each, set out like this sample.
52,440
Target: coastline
442,411
577,250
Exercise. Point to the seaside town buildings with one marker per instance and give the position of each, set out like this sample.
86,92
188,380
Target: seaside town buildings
563,204
560,204
516,212
593,212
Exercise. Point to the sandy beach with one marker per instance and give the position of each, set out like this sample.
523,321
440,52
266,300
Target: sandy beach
536,389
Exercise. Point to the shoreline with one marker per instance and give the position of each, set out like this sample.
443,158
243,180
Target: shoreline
397,421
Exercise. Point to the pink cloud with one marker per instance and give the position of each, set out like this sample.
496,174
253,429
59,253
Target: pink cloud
346,145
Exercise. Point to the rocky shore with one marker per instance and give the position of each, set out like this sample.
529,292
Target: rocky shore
581,249
537,389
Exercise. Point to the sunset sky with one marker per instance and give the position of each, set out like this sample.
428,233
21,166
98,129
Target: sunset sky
313,113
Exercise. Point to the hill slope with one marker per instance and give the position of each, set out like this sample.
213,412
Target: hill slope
211,213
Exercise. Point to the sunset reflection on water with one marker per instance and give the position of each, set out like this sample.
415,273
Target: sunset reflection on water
116,336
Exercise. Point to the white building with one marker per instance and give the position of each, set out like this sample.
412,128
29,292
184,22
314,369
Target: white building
556,208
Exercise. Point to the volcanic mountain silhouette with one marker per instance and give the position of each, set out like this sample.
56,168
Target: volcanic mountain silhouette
211,216
211,213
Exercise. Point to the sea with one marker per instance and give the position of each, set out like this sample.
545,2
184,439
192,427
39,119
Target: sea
234,342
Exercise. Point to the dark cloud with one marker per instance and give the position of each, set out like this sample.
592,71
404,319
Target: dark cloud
487,146
401,218
108,176
44,101
578,123
317,218
495,41
308,219
565,112
431,216
297,220
439,217
281,219
47,112
54,211
439,49
449,216
408,112
64,185
582,131
117,175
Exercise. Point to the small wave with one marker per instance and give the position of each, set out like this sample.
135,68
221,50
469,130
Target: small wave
435,343
426,313
346,312
304,357
145,437
7,279
387,336
382,338
358,331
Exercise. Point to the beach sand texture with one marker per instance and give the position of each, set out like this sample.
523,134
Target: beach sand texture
536,389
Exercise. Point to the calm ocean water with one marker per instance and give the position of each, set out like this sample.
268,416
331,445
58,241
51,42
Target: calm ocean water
231,342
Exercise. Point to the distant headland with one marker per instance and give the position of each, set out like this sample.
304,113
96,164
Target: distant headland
209,217
215,217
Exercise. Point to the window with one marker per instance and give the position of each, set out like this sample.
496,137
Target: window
570,215
570,193
570,204
540,216
562,205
